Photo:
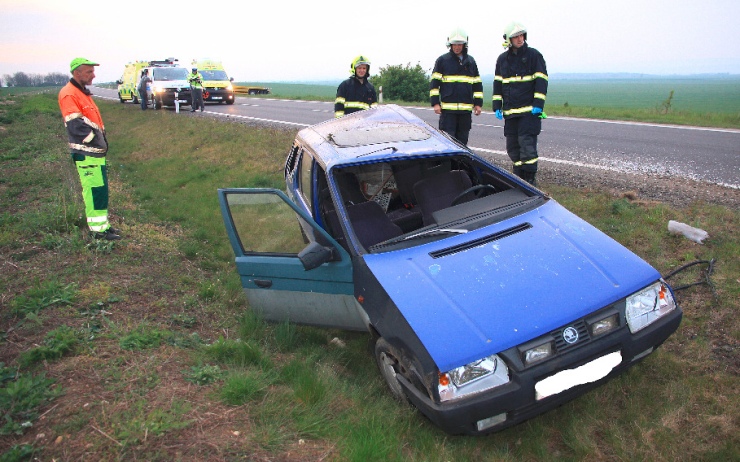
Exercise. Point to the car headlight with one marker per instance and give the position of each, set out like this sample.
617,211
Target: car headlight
157,89
648,305
230,87
538,353
478,376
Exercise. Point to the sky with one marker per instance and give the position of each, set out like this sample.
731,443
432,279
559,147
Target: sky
293,40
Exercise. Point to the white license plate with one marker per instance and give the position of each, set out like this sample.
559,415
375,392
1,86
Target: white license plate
216,97
589,372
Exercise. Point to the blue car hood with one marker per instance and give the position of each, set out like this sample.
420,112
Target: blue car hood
468,304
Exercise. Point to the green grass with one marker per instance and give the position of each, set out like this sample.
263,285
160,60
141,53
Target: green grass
156,356
713,102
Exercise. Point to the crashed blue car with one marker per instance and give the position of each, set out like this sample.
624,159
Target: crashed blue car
488,302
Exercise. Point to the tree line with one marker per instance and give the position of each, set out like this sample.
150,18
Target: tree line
399,82
23,79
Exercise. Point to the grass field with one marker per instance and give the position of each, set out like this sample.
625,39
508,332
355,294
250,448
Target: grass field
145,349
699,101
712,101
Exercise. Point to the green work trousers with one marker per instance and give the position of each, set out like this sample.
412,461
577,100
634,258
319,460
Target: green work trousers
94,181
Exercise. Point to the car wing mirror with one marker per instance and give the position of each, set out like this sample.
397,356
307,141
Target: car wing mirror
315,255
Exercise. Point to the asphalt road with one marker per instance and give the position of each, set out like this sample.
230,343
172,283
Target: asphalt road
703,154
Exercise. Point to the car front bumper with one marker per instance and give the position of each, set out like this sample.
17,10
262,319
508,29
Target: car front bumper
219,94
516,401
167,97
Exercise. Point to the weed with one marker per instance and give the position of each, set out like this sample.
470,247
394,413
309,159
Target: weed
184,320
242,388
235,352
203,375
58,342
138,423
43,295
21,398
142,338
19,452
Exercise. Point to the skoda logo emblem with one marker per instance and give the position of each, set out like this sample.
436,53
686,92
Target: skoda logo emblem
570,335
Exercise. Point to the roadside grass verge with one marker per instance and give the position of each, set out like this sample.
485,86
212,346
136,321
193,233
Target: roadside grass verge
146,349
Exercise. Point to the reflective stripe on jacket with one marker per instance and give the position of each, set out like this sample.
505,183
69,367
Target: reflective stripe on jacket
195,80
353,96
82,120
520,83
456,85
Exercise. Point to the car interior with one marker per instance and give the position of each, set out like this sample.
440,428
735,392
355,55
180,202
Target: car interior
389,199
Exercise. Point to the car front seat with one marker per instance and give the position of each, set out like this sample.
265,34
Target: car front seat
438,192
371,224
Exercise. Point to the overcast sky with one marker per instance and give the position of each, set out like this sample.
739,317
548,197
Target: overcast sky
294,40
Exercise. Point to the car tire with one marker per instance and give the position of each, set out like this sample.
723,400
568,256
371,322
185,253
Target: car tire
120,98
156,104
229,101
388,365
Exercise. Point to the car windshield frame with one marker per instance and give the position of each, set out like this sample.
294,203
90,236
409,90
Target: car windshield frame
509,200
169,73
215,74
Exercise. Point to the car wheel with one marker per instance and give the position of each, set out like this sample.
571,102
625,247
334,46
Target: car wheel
230,101
120,98
389,368
156,104
134,99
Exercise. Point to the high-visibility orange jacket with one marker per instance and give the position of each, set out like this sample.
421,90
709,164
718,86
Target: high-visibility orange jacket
82,119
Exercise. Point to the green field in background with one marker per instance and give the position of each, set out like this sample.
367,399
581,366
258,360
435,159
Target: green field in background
694,94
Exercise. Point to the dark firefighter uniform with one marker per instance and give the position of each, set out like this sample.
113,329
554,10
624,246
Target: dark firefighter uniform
353,96
457,87
520,85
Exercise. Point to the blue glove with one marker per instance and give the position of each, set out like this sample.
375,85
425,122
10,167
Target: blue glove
499,114
536,110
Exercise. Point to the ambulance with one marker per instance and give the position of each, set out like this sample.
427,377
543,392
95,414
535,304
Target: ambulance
127,83
169,85
217,86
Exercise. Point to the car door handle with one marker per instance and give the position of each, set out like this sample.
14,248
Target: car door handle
263,283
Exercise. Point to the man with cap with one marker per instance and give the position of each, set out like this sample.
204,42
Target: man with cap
519,92
88,146
196,89
456,89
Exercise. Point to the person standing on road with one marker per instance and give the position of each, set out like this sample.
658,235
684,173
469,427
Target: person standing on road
456,89
196,89
143,88
519,91
88,146
356,93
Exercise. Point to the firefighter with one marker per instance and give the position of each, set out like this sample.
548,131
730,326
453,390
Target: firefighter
196,89
456,89
356,93
88,146
519,91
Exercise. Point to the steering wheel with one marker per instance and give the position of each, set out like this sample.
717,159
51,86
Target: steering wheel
485,189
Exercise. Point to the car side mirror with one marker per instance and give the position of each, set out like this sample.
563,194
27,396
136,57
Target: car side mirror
231,79
315,255
119,82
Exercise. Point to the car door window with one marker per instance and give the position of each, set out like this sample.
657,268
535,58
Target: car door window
265,224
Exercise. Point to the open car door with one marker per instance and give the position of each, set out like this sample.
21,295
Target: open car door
289,272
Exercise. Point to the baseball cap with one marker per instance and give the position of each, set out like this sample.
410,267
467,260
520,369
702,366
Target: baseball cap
77,62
